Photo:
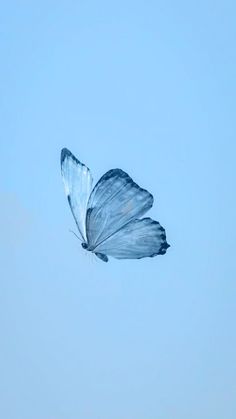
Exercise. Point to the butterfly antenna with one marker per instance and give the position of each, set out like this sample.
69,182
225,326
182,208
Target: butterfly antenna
75,235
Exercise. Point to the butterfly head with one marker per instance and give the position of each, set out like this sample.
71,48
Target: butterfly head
84,245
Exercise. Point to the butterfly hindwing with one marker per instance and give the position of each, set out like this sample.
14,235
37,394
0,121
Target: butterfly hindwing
138,239
114,202
78,185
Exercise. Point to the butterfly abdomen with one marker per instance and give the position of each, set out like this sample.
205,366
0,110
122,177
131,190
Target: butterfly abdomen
102,257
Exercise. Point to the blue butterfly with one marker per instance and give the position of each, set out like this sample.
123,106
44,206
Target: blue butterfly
108,215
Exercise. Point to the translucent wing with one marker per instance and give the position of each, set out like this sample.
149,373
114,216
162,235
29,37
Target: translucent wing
78,185
138,239
114,202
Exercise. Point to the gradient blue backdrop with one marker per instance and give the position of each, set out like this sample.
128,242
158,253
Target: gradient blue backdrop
147,86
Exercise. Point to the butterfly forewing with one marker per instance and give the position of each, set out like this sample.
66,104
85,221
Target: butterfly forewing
114,202
78,185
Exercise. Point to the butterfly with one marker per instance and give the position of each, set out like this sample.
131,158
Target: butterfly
108,215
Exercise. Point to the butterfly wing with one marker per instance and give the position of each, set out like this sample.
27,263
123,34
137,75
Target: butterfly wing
78,185
138,239
114,202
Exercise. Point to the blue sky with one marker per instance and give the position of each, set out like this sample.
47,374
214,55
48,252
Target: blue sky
148,87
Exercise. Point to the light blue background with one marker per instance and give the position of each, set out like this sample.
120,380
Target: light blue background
149,87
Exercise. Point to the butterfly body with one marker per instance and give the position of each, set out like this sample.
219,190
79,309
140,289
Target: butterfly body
108,215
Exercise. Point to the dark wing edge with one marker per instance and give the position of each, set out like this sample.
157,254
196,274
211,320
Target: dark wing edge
67,153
